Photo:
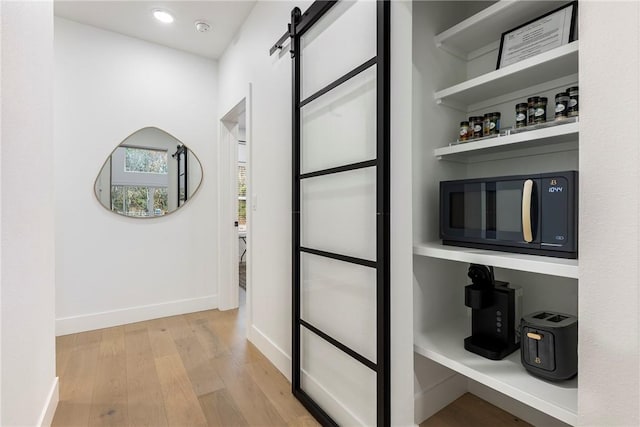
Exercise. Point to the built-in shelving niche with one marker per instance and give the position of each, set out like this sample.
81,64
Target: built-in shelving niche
456,72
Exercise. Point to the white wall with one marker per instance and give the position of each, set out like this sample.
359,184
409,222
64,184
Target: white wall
609,392
111,269
247,61
28,383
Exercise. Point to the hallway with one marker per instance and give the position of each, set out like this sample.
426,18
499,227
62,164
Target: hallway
195,369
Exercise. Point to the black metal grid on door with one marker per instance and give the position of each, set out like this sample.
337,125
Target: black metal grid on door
300,23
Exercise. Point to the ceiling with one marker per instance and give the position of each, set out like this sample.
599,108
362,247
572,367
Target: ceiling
133,18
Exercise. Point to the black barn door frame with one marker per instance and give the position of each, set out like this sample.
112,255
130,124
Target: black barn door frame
300,23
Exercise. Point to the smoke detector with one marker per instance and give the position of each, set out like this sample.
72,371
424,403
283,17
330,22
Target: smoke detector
202,26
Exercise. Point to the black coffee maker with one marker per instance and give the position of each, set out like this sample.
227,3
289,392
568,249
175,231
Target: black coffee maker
495,314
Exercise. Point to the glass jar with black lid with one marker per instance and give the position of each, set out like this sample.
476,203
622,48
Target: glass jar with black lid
541,110
521,114
475,124
465,132
491,124
562,103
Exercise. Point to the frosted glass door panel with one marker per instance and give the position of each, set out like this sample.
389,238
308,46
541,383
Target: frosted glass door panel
339,298
344,38
337,382
338,213
339,127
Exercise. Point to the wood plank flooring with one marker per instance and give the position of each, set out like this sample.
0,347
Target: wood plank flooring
195,369
469,410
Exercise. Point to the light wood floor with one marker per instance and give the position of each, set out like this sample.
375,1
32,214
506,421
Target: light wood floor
191,370
471,411
196,370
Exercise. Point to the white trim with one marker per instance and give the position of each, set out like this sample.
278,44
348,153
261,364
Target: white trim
105,319
248,141
49,410
280,359
431,400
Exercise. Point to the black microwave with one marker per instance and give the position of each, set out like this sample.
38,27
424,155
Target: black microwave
533,214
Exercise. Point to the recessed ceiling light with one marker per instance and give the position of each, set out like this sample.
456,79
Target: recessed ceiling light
162,16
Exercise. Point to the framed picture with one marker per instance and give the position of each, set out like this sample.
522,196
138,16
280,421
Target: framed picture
547,32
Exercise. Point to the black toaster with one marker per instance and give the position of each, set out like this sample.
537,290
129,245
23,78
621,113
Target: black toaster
549,345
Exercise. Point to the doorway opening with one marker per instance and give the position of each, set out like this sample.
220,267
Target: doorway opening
234,196
242,206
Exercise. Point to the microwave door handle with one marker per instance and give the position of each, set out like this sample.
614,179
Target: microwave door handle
527,191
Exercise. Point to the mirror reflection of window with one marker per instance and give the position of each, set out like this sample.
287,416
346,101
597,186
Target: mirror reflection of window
141,179
145,160
160,200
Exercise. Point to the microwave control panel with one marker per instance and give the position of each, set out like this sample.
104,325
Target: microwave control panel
554,194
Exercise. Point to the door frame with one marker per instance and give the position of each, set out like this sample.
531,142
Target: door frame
228,206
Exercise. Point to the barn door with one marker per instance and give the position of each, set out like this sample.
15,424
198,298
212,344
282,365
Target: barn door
341,318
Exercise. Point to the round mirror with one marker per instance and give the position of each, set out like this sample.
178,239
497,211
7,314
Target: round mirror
150,174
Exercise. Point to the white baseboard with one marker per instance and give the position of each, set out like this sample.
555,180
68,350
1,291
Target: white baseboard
49,410
429,401
106,319
519,409
277,356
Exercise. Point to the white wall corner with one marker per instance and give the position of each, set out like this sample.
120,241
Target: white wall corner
431,400
276,355
106,319
49,410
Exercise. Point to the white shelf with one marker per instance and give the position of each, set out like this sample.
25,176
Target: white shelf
532,263
487,26
550,138
508,376
559,62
